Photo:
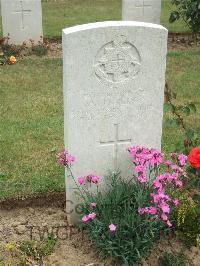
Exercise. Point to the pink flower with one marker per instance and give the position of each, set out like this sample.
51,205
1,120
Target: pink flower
168,162
164,207
112,228
173,155
140,168
93,204
176,202
142,179
169,224
164,217
70,158
184,174
81,180
177,168
152,210
174,176
141,211
160,177
182,159
157,184
156,197
93,178
64,158
179,183
159,196
85,218
92,215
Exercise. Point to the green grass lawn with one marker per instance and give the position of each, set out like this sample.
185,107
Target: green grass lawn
31,119
64,13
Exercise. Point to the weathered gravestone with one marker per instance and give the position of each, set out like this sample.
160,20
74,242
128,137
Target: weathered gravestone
114,76
141,10
22,20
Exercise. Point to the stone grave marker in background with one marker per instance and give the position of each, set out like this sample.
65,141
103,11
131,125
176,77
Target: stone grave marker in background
22,20
114,77
141,10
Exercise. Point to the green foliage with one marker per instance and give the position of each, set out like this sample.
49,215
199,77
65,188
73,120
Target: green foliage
170,259
179,113
7,50
10,49
38,249
187,218
189,11
40,50
135,234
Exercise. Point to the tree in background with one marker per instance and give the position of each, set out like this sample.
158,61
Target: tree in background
189,11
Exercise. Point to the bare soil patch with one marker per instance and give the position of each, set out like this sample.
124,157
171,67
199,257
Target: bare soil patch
176,41
72,248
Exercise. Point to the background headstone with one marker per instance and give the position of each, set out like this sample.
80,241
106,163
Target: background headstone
114,77
141,10
22,20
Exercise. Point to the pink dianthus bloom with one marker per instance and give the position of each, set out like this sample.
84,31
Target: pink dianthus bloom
157,184
159,196
142,179
81,180
176,202
182,158
152,210
64,158
168,162
156,197
173,155
93,204
140,168
85,218
141,210
179,183
112,227
164,207
169,224
164,217
92,215
93,178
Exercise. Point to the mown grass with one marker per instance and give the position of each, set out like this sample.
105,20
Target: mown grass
31,119
64,13
31,126
183,77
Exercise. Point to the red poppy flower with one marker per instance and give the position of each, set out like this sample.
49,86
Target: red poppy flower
194,157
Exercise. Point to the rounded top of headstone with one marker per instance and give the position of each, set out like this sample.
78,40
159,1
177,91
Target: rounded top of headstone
106,24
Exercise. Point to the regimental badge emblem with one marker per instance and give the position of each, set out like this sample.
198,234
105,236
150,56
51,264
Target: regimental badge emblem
117,61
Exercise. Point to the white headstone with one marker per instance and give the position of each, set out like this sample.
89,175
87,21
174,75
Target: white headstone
114,77
22,20
141,10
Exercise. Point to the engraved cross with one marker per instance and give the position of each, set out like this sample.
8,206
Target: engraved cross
118,60
143,4
115,143
22,11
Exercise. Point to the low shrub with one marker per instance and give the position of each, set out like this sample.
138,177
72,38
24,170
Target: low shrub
40,48
187,218
124,221
118,230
